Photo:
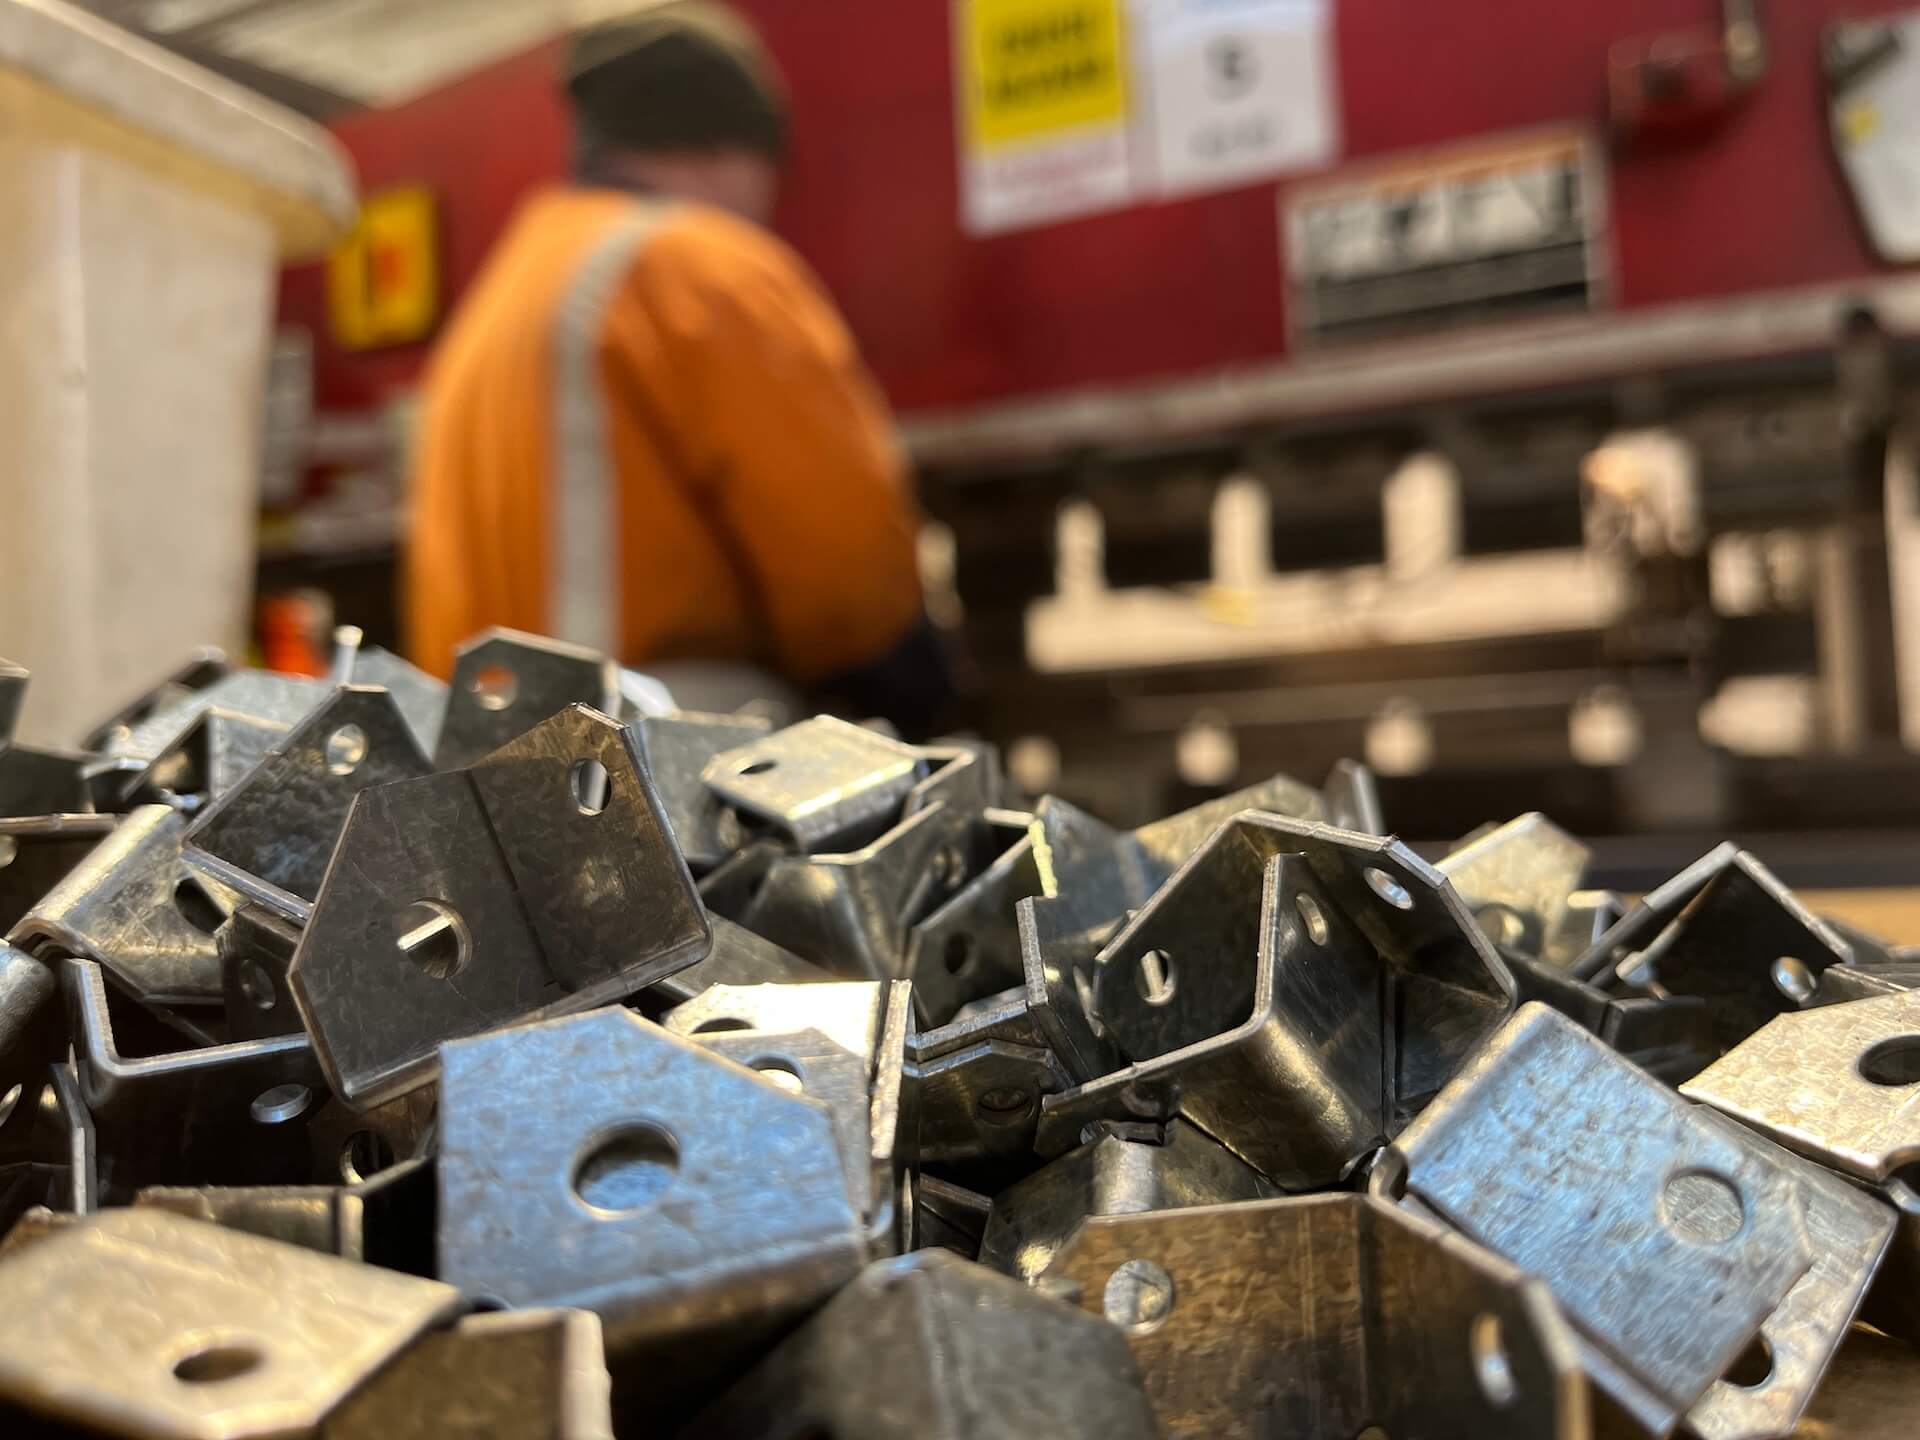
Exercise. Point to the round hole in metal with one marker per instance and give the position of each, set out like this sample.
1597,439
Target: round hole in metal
1311,917
957,954
213,1363
1006,1105
780,1071
1793,979
1492,1367
346,748
9,850
626,1170
199,908
1156,978
1753,1366
494,687
1388,888
590,783
366,1154
720,1024
433,936
1702,1208
1892,1062
1138,1297
281,1103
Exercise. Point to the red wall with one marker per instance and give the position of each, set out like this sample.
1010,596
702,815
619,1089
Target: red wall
1161,289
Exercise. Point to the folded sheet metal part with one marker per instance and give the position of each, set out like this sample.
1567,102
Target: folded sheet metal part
380,1058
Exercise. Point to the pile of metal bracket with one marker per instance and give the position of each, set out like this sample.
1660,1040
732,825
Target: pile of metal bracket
522,1058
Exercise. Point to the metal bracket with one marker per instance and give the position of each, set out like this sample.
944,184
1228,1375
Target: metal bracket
540,881
1344,1315
1839,1083
1727,930
1032,1219
824,785
1666,1243
693,1205
505,682
1300,1031
134,907
279,826
1518,879
676,750
932,1345
141,1323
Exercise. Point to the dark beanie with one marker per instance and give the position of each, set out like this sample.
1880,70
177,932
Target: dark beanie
685,76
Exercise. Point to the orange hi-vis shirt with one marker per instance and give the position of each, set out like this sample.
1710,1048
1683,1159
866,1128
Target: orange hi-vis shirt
647,431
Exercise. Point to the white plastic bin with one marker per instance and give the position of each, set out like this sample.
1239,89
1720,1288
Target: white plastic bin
145,206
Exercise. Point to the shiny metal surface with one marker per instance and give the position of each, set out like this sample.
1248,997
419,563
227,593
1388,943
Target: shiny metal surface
1666,1242
1319,1317
932,1346
145,1324
822,784
498,893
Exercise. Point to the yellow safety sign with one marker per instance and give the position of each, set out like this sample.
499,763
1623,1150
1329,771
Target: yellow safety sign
1039,68
383,283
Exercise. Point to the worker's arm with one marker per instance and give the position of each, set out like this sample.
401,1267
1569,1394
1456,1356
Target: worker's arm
787,438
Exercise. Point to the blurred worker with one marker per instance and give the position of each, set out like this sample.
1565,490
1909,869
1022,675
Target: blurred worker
646,429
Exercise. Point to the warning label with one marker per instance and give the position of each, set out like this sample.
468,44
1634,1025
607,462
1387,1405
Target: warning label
1044,87
1043,66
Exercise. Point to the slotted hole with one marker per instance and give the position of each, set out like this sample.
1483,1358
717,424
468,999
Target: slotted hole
346,748
1388,888
591,785
720,1024
197,906
366,1154
1311,917
280,1104
9,1101
256,985
1492,1367
1156,977
627,1170
494,687
756,767
432,936
1893,1062
214,1363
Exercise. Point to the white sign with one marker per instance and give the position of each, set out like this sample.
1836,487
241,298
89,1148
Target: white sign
1237,90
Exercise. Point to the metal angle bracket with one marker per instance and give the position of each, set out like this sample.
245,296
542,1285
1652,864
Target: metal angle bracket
278,827
540,881
1727,930
1113,1175
935,1346
823,784
1838,1083
1518,879
142,1323
1666,1243
676,750
506,681
1345,1314
1299,1029
516,1375
693,1205
135,907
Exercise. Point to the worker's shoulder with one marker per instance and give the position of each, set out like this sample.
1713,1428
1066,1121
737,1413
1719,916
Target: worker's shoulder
722,255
